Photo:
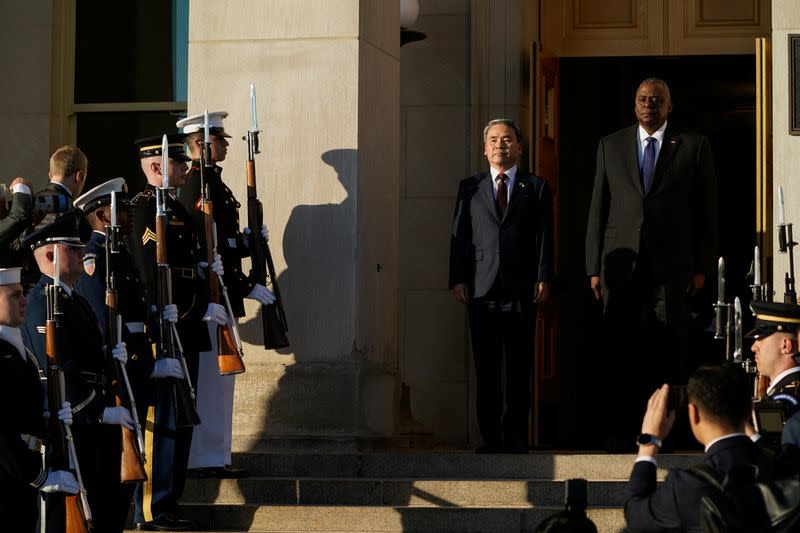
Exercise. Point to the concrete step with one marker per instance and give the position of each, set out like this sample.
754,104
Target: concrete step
330,519
533,466
396,492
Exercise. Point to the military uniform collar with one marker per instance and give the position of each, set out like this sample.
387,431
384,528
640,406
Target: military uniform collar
13,336
780,377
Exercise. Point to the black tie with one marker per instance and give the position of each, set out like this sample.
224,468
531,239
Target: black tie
502,195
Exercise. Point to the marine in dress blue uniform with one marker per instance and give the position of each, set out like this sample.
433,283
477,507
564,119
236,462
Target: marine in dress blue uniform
211,445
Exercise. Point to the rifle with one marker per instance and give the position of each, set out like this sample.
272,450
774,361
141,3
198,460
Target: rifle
786,244
229,352
169,343
133,457
76,506
273,316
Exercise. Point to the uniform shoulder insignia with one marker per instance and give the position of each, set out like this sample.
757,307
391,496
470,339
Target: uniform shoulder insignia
148,235
89,264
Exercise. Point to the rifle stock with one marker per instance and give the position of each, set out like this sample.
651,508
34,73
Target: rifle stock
132,460
229,358
76,507
273,317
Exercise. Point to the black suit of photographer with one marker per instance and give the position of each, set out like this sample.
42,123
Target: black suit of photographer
12,226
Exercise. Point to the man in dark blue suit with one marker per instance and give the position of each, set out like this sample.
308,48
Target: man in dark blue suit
718,406
501,262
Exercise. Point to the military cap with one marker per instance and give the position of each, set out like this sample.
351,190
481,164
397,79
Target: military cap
10,276
198,122
151,146
70,228
101,195
773,317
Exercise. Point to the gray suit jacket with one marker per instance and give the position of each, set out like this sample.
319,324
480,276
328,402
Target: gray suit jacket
519,247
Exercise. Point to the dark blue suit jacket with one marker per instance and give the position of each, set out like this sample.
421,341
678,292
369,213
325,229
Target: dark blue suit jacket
674,505
519,246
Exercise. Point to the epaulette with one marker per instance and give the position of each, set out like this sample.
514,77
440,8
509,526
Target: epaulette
144,196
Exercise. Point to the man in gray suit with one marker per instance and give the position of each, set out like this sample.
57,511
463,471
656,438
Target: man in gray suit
501,260
650,239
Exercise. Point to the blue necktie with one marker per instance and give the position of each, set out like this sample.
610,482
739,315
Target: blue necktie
648,163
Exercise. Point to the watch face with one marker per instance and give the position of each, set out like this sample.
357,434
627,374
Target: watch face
644,438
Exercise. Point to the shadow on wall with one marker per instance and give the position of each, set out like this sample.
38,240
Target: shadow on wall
311,284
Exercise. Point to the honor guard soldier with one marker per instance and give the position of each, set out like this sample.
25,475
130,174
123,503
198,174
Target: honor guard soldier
136,319
22,399
82,357
776,354
211,445
157,501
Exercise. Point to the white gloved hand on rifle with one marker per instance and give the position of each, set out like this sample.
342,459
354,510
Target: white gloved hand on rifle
60,481
262,295
117,415
167,368
216,267
246,232
170,313
216,313
120,353
64,414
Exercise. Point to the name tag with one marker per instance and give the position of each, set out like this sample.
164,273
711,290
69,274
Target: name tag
176,223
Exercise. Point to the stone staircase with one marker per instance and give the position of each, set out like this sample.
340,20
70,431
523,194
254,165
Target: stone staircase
409,491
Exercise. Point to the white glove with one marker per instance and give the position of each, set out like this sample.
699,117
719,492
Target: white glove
262,294
120,353
65,413
117,415
216,267
60,481
247,231
216,313
167,368
170,313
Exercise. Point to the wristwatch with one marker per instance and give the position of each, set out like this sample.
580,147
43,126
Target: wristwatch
645,439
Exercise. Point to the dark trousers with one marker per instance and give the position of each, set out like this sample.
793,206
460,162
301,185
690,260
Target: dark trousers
499,336
98,450
19,505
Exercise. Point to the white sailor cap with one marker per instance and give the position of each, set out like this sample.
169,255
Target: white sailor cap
197,123
9,276
101,195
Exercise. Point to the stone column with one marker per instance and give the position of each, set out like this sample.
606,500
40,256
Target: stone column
785,147
327,78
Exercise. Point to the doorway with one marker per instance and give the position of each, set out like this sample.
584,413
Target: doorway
714,95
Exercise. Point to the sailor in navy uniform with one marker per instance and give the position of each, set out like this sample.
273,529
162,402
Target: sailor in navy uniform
22,403
776,354
85,364
170,452
211,443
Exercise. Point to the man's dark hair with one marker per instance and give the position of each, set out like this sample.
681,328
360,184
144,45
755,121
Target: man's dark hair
656,81
567,522
722,392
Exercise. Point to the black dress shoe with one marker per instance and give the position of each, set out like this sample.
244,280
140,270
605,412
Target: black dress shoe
166,523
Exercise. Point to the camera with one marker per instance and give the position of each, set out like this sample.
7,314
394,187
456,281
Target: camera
769,416
677,399
48,202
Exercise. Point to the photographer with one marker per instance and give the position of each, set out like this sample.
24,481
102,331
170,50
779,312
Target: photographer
18,218
719,405
68,168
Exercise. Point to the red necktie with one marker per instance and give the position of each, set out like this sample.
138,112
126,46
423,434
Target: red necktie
501,198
